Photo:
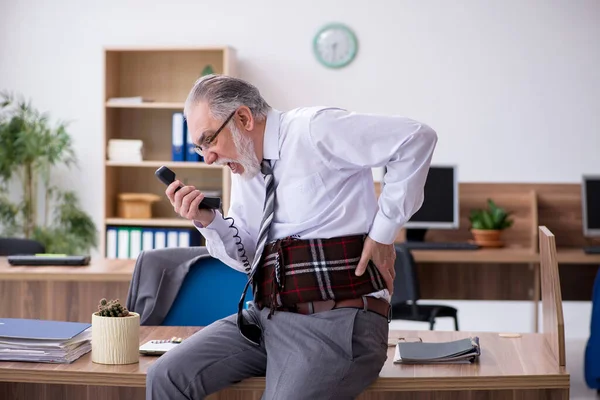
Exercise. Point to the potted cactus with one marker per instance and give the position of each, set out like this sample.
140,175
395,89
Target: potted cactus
115,334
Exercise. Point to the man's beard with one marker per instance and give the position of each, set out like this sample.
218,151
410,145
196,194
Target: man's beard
246,155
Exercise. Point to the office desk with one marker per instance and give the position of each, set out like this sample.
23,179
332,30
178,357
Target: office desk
509,368
72,293
576,256
99,270
508,255
504,255
61,293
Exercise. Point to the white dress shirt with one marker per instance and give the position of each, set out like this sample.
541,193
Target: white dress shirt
322,159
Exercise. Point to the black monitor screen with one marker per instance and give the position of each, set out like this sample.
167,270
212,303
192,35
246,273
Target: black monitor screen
592,206
438,209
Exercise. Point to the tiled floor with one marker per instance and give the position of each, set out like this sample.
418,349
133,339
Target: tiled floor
575,351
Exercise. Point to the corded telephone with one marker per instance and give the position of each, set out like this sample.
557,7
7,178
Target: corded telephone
166,176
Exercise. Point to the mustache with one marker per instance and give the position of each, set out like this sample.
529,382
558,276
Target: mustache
225,161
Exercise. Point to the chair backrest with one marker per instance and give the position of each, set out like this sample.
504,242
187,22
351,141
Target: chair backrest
211,291
552,311
406,284
17,246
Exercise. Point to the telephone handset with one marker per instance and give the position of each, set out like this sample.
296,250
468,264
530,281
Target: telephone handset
166,176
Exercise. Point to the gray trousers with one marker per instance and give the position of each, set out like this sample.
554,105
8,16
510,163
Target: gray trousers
329,355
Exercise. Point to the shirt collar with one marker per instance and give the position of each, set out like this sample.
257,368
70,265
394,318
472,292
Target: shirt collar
271,139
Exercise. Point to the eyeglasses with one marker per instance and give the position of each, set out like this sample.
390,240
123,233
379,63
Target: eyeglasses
206,143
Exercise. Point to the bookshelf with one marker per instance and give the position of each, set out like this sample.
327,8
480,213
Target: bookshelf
164,75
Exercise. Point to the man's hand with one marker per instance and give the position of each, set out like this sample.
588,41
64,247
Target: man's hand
186,201
383,256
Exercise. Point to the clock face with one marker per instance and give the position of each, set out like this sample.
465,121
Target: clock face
335,46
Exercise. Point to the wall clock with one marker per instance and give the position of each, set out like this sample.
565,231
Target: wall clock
335,45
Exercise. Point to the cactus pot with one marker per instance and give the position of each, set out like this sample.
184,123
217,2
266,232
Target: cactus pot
116,340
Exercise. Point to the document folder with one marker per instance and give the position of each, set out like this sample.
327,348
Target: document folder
17,328
459,351
46,341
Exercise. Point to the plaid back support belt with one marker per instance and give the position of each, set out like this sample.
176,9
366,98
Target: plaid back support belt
313,270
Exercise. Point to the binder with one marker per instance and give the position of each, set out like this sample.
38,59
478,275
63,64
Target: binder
135,242
184,238
123,243
160,239
147,239
172,237
111,242
177,137
190,154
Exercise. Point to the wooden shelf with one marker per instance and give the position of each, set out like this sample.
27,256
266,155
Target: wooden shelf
164,75
166,222
154,105
169,164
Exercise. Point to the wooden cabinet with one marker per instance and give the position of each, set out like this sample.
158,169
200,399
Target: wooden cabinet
164,76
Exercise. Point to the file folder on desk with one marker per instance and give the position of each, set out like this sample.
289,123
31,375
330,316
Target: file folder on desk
39,329
45,341
458,351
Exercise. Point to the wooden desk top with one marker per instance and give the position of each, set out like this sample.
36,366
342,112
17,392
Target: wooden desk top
576,256
505,255
99,270
108,270
505,363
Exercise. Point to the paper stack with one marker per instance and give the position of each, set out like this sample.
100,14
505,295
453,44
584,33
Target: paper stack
459,351
124,150
128,100
43,341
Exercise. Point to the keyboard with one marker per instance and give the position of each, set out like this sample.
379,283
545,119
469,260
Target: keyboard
440,246
591,250
38,261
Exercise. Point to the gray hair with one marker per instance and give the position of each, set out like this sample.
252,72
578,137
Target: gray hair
224,95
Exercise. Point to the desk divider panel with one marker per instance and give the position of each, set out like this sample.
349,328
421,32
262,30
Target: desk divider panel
552,312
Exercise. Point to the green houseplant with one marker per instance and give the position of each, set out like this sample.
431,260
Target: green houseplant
487,224
31,206
115,334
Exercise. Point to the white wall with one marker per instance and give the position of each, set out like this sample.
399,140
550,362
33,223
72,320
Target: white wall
512,87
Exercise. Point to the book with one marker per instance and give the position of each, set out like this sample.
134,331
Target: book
465,350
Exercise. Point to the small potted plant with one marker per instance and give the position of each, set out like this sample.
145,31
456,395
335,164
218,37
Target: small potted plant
487,225
115,334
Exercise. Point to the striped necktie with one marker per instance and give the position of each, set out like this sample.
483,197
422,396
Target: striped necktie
263,234
268,211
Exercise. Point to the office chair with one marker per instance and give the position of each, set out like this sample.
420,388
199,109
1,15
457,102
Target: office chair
211,291
17,246
407,293
592,347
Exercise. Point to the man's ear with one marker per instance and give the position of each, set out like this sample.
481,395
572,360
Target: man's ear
245,117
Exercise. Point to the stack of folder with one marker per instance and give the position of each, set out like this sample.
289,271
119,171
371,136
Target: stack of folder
44,341
459,351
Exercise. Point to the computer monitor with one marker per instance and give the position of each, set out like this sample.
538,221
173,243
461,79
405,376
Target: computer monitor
440,204
590,201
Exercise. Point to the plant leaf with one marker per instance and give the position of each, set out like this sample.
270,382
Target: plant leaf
30,142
